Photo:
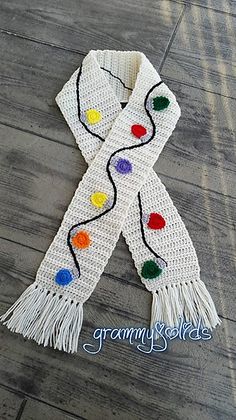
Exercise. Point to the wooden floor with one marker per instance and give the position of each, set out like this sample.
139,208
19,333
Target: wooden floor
42,42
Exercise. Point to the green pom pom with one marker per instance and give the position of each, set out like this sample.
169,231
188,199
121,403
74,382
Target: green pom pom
160,103
150,270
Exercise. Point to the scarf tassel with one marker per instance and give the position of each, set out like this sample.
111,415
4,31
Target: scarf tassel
55,320
189,300
46,317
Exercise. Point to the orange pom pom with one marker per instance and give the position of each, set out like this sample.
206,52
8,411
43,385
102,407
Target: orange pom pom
81,240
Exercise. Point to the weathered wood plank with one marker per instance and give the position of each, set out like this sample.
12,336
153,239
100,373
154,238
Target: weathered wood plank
113,24
31,75
190,379
9,404
38,178
35,410
202,53
227,6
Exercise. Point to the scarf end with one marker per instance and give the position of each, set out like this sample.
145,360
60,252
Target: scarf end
46,317
188,300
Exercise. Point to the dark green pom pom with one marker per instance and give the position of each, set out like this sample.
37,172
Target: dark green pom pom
160,103
150,270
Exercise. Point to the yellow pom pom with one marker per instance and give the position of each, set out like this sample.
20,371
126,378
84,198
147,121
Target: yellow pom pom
98,199
93,116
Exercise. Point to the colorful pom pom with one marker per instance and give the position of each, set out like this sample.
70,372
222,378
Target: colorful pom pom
63,277
81,240
138,130
123,166
150,270
98,199
156,221
160,103
93,116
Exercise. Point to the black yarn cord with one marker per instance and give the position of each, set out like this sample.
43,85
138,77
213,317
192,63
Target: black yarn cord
116,77
136,146
142,230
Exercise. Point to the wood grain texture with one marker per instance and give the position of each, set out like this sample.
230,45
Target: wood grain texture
23,71
31,75
203,51
227,6
10,404
35,410
109,24
189,380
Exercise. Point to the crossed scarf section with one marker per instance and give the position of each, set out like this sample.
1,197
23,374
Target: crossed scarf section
121,114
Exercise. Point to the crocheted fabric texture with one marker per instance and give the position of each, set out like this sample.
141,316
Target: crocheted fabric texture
119,191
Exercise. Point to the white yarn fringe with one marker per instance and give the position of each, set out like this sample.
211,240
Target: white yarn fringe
46,317
189,300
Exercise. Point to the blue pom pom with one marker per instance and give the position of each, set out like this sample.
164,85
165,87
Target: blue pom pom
63,277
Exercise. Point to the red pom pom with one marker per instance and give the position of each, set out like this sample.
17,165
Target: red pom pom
138,130
156,221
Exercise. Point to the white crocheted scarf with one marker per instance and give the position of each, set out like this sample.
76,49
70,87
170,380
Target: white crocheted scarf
119,192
